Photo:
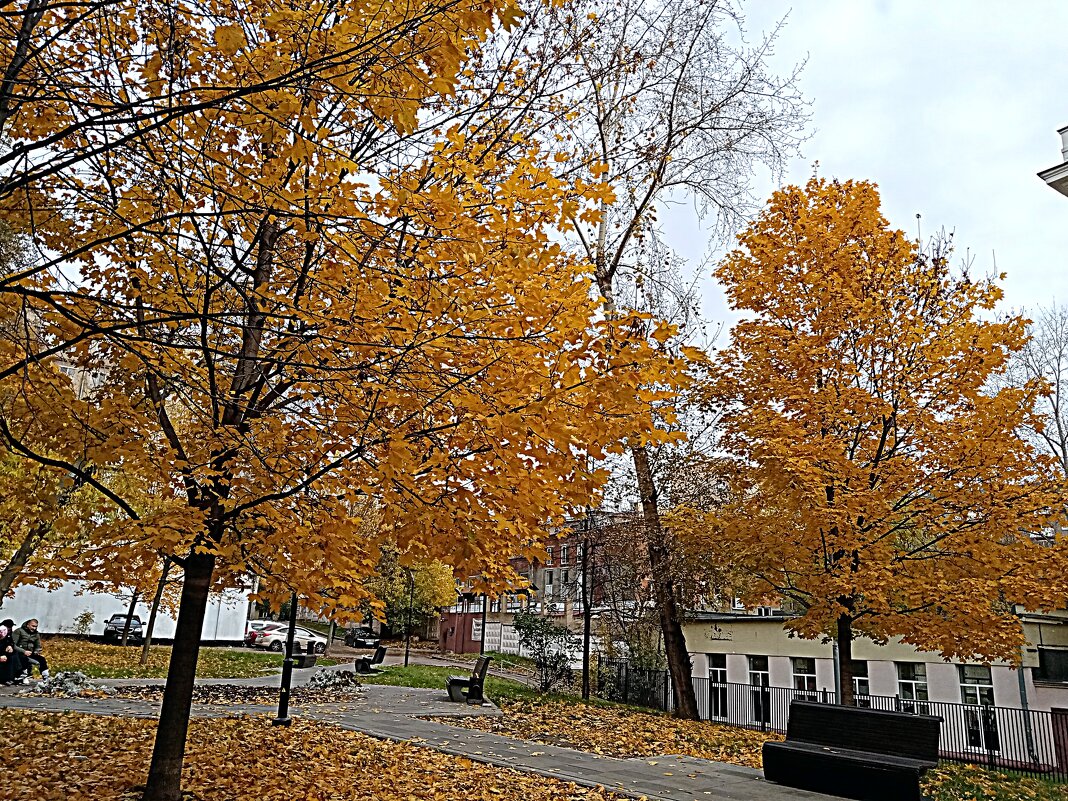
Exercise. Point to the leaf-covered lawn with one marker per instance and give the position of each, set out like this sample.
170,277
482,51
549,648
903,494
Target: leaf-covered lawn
116,662
614,730
100,758
972,783
620,731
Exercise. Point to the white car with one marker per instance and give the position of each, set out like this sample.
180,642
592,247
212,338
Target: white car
275,640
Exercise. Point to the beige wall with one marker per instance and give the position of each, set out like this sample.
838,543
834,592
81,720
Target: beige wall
766,637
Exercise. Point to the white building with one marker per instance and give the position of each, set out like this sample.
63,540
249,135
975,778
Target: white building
58,610
1057,177
747,668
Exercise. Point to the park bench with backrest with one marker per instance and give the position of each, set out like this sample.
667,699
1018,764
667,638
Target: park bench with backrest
366,664
854,752
469,688
306,659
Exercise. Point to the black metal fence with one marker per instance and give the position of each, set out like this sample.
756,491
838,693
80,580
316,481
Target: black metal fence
1032,742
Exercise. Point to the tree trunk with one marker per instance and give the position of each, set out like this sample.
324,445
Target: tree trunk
845,660
678,658
129,618
165,772
22,555
156,599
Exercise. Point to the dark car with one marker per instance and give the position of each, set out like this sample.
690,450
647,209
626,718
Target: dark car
361,637
113,630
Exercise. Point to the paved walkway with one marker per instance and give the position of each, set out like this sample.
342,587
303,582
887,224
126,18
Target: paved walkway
396,713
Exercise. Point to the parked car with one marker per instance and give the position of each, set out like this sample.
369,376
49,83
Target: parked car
361,637
275,640
113,629
258,628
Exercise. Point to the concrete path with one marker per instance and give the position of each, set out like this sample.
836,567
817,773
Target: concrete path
396,713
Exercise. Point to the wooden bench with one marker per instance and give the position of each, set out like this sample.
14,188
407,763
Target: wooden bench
366,664
469,688
853,752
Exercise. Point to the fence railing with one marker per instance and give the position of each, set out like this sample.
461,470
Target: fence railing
1033,742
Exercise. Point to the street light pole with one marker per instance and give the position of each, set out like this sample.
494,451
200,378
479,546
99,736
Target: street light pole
283,718
587,603
482,642
408,626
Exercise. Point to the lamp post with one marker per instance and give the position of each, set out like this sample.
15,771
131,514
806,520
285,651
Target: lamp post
482,641
408,624
587,600
283,718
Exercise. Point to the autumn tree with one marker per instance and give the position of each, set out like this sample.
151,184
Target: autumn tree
876,483
665,106
410,590
303,298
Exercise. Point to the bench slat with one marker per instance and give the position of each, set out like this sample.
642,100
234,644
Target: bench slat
858,729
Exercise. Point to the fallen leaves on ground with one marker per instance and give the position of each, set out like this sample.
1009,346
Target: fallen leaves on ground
621,732
241,694
973,783
117,662
624,732
72,756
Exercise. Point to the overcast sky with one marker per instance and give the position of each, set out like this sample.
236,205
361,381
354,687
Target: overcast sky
951,107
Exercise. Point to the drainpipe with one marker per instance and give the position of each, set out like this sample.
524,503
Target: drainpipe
1022,679
837,659
1028,732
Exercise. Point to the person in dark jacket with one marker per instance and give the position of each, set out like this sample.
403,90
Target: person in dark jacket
10,664
28,641
20,663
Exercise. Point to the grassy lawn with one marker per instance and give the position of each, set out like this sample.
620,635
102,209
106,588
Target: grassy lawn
434,677
82,757
115,662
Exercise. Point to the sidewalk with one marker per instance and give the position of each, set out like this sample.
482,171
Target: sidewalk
397,713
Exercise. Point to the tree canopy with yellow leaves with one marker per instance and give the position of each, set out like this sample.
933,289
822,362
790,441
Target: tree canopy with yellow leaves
875,480
305,300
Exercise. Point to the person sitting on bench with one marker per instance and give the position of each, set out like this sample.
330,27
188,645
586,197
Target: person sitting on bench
28,641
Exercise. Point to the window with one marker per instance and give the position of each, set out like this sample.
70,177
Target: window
980,719
548,583
912,687
976,686
1052,665
717,681
563,554
804,676
495,605
565,580
548,556
759,696
861,687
